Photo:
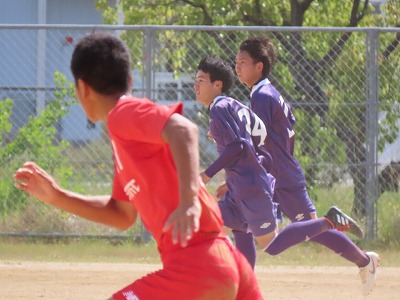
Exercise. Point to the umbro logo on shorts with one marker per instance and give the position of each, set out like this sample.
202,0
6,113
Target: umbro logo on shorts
299,217
265,225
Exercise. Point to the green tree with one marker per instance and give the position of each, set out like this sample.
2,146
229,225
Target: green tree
35,141
320,73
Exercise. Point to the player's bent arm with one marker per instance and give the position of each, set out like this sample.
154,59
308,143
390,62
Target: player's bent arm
221,190
102,209
227,157
204,177
99,209
182,137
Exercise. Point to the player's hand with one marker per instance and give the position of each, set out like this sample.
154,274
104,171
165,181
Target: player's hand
205,178
221,190
36,182
210,136
184,221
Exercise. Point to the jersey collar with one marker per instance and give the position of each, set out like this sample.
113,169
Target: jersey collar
258,85
216,99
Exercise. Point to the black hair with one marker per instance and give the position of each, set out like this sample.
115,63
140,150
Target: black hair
218,69
261,49
103,61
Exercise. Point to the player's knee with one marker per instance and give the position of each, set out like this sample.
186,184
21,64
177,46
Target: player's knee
226,230
265,240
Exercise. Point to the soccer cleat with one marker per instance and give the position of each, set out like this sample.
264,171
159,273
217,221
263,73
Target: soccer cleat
368,273
343,222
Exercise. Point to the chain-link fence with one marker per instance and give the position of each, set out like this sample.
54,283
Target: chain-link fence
343,85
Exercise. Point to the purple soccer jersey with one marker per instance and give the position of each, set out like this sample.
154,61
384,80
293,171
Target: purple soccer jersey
290,186
278,118
234,126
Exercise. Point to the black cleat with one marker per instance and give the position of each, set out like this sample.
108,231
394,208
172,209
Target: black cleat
343,222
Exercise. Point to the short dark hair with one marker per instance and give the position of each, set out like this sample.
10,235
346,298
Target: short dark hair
103,61
261,49
218,69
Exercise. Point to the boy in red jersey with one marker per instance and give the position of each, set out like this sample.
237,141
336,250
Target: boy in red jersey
156,176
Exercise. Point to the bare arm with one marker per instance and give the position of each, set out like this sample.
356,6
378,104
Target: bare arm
101,209
221,190
182,136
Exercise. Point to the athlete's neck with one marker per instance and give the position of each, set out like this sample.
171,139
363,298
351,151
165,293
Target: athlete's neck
216,99
258,81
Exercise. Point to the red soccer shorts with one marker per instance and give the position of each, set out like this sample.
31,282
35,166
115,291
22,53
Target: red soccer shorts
209,270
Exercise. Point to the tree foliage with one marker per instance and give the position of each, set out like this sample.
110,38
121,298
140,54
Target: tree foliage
35,141
320,73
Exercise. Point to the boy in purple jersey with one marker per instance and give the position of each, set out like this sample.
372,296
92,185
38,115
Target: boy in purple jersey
247,207
254,61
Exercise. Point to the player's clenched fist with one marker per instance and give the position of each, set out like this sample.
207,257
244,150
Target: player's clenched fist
36,182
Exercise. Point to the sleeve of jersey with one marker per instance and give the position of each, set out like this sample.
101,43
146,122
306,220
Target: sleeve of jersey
265,159
228,156
142,120
261,105
291,117
223,124
118,191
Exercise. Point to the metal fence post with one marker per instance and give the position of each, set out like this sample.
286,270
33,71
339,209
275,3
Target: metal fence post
148,71
41,59
372,133
148,59
347,141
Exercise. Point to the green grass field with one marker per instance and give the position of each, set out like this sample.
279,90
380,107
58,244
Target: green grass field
387,243
92,250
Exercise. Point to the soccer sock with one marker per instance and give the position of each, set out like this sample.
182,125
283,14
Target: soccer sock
339,242
246,245
296,233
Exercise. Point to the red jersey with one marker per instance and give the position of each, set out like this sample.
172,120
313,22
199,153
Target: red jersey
145,173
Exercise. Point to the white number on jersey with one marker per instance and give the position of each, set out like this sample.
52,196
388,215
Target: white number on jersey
286,112
284,106
258,130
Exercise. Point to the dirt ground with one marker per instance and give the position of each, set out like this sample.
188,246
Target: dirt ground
33,280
